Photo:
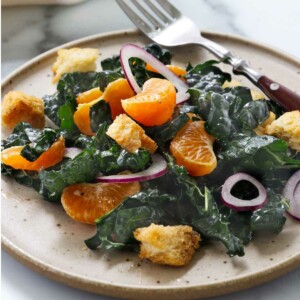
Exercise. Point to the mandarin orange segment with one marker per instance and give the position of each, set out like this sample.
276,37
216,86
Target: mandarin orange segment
154,105
114,93
86,202
192,148
180,72
89,96
82,117
12,157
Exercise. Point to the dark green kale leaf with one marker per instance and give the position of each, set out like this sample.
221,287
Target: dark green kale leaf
186,204
200,209
36,141
160,53
102,156
83,141
238,223
27,178
272,216
218,122
60,107
166,132
207,77
259,153
22,134
229,113
99,113
80,169
115,229
42,143
137,65
111,64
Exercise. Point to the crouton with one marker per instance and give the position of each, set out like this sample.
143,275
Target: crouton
74,60
167,245
287,127
129,135
18,107
257,95
261,129
231,84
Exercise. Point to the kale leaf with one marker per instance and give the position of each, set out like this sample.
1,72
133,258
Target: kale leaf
99,113
115,229
271,217
178,201
60,106
166,132
102,156
22,134
200,209
35,141
41,144
137,65
229,113
207,77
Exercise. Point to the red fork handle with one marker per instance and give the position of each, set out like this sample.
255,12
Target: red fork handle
277,92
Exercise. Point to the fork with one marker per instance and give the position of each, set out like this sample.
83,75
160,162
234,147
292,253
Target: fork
166,25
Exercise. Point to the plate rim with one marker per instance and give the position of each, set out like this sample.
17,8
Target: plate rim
121,290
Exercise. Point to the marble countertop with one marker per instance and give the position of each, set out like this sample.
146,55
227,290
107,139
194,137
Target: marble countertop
30,30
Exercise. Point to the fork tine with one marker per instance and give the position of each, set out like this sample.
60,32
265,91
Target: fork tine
135,18
146,14
171,9
159,13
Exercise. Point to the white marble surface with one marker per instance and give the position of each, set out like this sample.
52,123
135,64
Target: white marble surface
31,30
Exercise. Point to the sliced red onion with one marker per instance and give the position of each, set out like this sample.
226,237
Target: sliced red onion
240,204
128,51
291,192
72,152
158,168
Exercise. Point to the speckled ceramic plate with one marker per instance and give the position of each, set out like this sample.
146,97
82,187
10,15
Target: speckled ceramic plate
43,237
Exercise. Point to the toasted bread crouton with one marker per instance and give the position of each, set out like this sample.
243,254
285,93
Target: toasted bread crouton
129,135
18,107
261,129
74,60
257,95
231,84
287,127
167,245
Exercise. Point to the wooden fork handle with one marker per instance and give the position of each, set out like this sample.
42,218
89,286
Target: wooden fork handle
277,92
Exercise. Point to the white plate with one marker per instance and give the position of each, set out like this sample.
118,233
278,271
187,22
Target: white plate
43,237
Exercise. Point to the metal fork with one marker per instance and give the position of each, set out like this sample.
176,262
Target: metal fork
166,25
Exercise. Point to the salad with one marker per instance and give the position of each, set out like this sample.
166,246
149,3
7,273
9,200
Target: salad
158,157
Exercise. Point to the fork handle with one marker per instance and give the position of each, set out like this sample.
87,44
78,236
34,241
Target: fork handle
288,99
277,92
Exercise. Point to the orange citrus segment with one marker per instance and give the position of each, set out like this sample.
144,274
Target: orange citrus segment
12,157
82,117
192,148
154,105
86,202
89,96
114,93
180,72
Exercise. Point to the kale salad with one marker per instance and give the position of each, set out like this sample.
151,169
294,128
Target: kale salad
168,180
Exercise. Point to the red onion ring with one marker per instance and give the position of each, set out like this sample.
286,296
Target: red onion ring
291,192
128,51
239,204
158,168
